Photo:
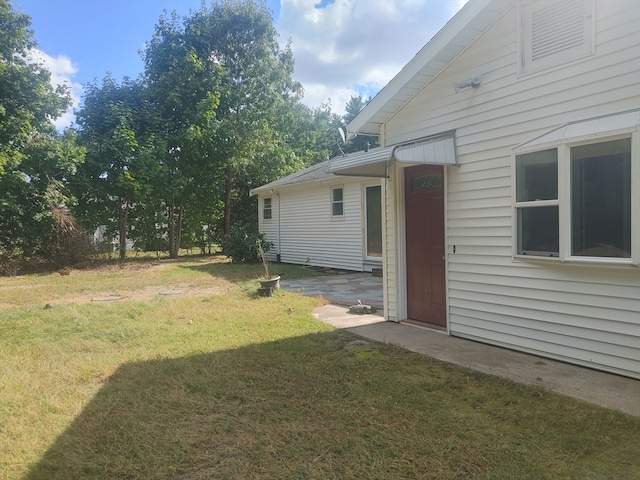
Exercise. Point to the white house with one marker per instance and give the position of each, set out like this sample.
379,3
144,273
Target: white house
314,217
511,180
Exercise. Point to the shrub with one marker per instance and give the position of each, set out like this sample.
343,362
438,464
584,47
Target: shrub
10,261
240,245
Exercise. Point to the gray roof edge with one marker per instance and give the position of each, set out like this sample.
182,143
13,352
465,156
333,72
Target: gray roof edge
315,173
296,178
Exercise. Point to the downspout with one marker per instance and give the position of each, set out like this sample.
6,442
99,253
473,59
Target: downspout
278,254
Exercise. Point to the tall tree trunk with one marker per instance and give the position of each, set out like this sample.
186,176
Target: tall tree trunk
178,231
122,231
228,189
171,228
176,215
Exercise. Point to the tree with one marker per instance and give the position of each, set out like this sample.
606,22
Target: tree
182,83
27,99
35,218
255,87
360,142
35,160
221,86
113,177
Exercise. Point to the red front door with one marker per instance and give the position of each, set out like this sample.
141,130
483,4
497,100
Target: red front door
424,208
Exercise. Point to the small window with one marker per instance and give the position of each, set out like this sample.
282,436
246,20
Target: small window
537,203
266,209
337,202
601,199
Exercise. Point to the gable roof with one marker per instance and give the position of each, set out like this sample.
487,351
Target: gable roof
460,32
319,171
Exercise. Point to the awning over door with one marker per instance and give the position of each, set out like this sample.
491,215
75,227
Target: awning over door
437,150
363,164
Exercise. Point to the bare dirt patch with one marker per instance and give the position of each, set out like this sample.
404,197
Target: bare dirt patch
114,266
145,293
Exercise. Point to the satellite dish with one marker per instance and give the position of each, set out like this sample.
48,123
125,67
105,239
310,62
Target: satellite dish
342,136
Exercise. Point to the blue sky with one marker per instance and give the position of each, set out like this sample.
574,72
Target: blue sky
341,47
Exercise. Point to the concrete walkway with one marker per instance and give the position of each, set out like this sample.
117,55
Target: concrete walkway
343,290
340,288
604,389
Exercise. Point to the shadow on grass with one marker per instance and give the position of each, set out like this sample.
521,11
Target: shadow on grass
326,406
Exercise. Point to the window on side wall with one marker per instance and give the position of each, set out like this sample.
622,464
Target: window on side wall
595,185
537,203
266,208
601,199
337,202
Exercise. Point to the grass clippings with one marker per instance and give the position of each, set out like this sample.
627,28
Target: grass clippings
234,386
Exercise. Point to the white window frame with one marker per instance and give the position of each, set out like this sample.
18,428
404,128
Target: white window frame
264,209
564,202
531,204
365,235
332,202
526,64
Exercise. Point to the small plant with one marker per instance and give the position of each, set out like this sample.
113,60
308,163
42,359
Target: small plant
269,284
263,257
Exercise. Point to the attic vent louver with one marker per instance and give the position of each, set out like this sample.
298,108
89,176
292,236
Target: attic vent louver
556,28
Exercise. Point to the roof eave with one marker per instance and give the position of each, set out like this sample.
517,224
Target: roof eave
279,187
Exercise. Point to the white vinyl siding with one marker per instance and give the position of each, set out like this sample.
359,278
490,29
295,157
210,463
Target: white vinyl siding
269,227
309,233
579,313
390,218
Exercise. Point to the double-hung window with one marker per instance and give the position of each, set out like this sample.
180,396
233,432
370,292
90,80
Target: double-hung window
537,203
337,202
579,200
266,208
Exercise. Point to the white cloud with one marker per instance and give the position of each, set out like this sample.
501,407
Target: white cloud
354,47
62,71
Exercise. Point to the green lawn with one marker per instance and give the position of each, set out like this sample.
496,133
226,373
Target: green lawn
219,383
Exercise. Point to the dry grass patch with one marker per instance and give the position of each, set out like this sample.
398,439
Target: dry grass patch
238,387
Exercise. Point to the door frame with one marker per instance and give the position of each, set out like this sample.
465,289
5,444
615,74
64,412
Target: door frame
401,242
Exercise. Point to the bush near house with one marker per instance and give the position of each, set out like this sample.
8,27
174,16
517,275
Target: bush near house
240,245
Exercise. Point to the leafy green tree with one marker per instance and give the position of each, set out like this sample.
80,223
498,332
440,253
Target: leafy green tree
27,99
182,81
222,88
256,89
360,142
35,161
112,121
35,218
